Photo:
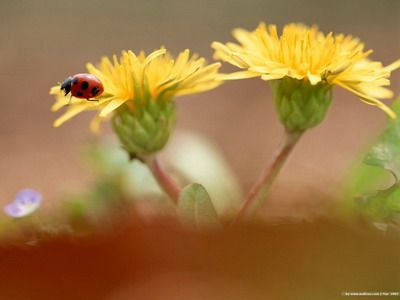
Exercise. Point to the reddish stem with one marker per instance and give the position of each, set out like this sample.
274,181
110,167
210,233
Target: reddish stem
259,192
164,180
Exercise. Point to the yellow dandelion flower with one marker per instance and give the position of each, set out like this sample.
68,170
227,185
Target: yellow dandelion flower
305,53
132,77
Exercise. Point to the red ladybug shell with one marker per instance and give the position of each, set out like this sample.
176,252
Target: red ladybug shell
83,86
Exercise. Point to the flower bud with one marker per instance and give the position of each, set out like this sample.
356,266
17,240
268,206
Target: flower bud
145,129
301,105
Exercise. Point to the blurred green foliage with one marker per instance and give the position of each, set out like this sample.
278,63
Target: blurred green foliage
374,185
115,182
119,183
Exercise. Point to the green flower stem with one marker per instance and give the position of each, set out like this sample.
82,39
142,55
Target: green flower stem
164,180
262,186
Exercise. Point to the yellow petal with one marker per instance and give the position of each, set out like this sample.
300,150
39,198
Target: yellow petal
154,55
268,77
314,78
71,112
238,75
378,92
111,106
55,90
393,66
59,104
369,100
95,124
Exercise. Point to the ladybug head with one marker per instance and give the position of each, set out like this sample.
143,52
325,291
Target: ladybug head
66,85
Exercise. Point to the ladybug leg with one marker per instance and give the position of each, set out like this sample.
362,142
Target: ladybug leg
95,100
69,101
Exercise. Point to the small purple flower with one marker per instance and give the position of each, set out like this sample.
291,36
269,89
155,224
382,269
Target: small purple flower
25,203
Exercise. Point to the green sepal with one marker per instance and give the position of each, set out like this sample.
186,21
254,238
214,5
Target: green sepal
299,104
145,129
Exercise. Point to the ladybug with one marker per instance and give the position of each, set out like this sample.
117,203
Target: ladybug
83,86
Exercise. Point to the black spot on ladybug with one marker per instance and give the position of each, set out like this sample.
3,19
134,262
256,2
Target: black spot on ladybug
75,80
79,94
95,90
84,85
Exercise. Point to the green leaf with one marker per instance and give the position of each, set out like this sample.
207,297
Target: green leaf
386,152
195,206
380,205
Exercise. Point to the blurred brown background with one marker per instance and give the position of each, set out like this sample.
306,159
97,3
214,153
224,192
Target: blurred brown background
43,41
314,261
